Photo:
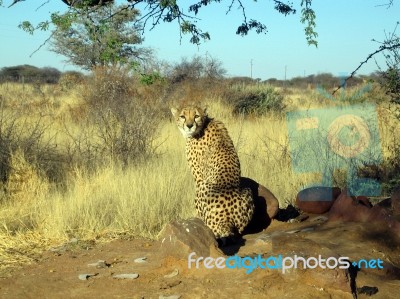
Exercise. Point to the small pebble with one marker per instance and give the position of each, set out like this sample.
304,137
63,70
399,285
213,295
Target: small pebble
293,231
99,264
172,274
369,291
266,238
140,260
319,219
86,276
126,276
307,229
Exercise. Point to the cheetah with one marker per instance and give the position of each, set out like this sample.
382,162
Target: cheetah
220,202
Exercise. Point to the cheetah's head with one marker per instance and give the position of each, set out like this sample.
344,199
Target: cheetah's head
190,120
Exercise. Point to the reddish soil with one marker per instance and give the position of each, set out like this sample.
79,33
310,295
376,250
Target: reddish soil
56,273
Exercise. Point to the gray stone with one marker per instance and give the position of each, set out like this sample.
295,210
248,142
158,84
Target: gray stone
181,237
99,264
141,260
86,276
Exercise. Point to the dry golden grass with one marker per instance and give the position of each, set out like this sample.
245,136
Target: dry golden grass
141,199
24,183
137,201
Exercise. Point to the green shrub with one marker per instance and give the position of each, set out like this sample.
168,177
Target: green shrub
151,78
257,101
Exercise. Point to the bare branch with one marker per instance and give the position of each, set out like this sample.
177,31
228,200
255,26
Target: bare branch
388,5
381,48
43,4
15,2
42,45
243,11
230,7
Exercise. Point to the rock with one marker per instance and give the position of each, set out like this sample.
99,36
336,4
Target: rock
392,203
326,278
99,264
307,229
264,240
296,244
86,276
317,200
300,218
169,297
270,199
59,249
172,274
369,291
319,219
259,245
126,276
294,231
170,284
141,260
266,205
364,200
349,209
181,237
386,203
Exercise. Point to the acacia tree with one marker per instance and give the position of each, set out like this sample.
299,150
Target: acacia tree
157,11
100,37
197,67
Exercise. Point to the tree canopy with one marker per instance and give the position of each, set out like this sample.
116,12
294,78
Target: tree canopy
154,12
29,74
107,35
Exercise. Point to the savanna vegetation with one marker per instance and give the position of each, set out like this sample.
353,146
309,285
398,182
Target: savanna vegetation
97,157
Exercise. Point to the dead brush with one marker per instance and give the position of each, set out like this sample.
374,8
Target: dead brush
123,125
24,182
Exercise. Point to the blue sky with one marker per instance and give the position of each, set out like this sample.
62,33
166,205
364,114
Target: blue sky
346,29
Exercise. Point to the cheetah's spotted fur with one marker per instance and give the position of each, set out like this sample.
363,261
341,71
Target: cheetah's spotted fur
223,206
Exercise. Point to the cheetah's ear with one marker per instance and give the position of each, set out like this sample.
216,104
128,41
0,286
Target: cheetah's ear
205,110
174,111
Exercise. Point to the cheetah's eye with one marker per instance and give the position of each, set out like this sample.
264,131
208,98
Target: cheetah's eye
182,117
197,116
